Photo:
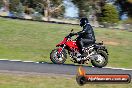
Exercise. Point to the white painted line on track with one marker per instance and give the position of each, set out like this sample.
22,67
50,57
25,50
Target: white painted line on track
37,62
15,60
44,62
28,61
20,61
3,59
118,68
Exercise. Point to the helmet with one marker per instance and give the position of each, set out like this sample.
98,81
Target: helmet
83,21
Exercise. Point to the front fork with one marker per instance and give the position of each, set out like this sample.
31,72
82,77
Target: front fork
61,49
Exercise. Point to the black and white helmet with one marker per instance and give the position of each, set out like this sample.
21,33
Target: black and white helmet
83,22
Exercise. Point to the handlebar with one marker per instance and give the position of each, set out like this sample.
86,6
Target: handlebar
69,36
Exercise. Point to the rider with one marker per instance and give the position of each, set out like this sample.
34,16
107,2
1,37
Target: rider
86,36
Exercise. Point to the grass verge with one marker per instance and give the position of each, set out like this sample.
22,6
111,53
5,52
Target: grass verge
27,40
43,81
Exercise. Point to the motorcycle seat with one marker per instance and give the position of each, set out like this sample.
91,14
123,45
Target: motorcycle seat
87,45
99,43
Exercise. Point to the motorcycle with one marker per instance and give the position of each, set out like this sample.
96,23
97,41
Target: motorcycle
96,53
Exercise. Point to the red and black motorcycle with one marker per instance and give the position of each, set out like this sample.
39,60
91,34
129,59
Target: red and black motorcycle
96,53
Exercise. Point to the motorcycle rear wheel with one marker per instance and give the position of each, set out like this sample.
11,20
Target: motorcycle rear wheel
56,59
104,55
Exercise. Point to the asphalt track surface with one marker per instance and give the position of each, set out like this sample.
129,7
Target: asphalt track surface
65,69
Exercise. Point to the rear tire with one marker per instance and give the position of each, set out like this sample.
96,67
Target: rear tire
56,60
100,65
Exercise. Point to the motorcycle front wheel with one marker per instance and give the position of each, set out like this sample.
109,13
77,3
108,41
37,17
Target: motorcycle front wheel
57,58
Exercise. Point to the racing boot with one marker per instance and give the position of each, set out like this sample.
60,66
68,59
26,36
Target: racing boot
83,53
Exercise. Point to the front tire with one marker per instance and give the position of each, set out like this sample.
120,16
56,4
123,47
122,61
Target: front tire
56,59
104,55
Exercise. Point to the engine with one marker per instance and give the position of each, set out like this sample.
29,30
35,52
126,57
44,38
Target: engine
74,54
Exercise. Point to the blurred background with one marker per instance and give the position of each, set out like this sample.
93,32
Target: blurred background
29,40
101,13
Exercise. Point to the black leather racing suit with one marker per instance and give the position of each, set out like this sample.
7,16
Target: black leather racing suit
86,37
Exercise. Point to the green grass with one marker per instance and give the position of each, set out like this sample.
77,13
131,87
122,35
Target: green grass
26,40
43,81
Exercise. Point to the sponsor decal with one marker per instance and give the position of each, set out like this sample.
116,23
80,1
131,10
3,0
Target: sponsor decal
83,78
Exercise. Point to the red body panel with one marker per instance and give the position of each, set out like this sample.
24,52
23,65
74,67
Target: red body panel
71,44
